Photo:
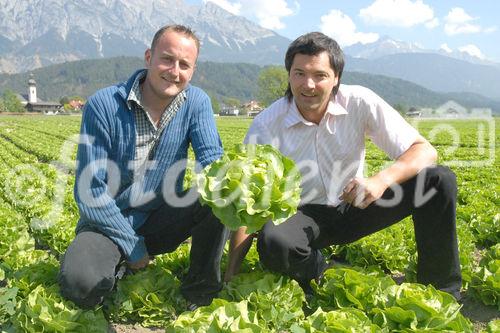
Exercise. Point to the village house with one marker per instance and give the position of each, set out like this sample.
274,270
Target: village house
252,108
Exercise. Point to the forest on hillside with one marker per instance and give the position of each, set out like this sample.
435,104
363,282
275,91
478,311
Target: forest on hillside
220,80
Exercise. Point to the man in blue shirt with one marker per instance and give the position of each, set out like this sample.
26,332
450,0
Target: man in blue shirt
130,166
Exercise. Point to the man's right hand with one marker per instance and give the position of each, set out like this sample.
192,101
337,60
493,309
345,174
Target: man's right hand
139,264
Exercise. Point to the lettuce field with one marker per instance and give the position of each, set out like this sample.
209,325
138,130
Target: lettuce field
371,289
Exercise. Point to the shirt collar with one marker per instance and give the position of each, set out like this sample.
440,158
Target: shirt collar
134,95
294,117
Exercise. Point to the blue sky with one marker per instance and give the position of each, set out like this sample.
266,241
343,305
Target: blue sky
453,25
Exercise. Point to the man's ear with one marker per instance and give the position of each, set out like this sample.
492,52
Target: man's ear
147,58
192,73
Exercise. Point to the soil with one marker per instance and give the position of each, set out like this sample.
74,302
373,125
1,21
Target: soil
478,313
124,328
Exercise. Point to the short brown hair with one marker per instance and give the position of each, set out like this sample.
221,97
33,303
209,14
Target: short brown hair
188,32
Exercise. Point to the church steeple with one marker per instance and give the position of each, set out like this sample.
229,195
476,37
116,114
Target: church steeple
32,90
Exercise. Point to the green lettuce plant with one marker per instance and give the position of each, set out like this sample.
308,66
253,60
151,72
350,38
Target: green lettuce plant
150,297
485,284
342,320
274,299
251,185
220,316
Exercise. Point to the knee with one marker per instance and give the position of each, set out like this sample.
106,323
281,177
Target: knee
443,180
274,247
82,286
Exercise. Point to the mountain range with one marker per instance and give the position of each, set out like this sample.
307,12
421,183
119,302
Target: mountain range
39,33
389,46
437,70
433,71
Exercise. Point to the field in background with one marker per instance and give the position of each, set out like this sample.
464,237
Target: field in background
38,215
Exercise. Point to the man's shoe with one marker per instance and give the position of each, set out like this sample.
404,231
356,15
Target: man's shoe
308,290
328,265
306,285
192,306
197,302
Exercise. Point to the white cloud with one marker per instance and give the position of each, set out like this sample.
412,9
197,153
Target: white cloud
233,8
269,13
445,48
459,22
432,23
490,29
340,27
472,50
399,13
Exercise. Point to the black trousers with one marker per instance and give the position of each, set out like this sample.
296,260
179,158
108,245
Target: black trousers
89,265
293,247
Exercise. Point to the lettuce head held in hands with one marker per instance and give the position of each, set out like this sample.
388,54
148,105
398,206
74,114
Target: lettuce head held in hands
251,185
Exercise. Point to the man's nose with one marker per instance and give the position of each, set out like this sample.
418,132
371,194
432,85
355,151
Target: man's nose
174,68
309,83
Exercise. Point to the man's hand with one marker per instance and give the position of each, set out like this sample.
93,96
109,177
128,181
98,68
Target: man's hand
361,192
139,264
239,245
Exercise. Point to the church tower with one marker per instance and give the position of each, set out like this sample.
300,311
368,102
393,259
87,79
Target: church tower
32,90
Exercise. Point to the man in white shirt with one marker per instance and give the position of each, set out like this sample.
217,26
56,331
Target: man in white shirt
322,125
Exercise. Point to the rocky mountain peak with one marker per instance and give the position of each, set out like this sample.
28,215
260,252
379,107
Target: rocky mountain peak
37,33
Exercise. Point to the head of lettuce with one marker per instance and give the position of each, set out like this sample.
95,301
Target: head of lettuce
249,186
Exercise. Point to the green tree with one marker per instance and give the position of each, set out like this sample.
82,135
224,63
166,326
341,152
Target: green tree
2,106
11,102
272,83
64,100
76,98
215,103
400,108
231,101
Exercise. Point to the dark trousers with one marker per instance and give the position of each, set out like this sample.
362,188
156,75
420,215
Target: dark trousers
89,265
293,247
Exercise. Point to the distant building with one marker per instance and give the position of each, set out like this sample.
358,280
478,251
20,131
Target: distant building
48,108
229,111
451,109
32,90
413,112
76,104
252,108
33,104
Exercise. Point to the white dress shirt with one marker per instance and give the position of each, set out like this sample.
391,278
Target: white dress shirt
332,152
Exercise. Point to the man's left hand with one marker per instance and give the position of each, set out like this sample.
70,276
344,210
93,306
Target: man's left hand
361,192
139,264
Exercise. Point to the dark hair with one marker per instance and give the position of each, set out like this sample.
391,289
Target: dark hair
314,43
176,28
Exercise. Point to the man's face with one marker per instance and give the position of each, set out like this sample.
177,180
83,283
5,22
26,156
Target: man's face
311,81
171,64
